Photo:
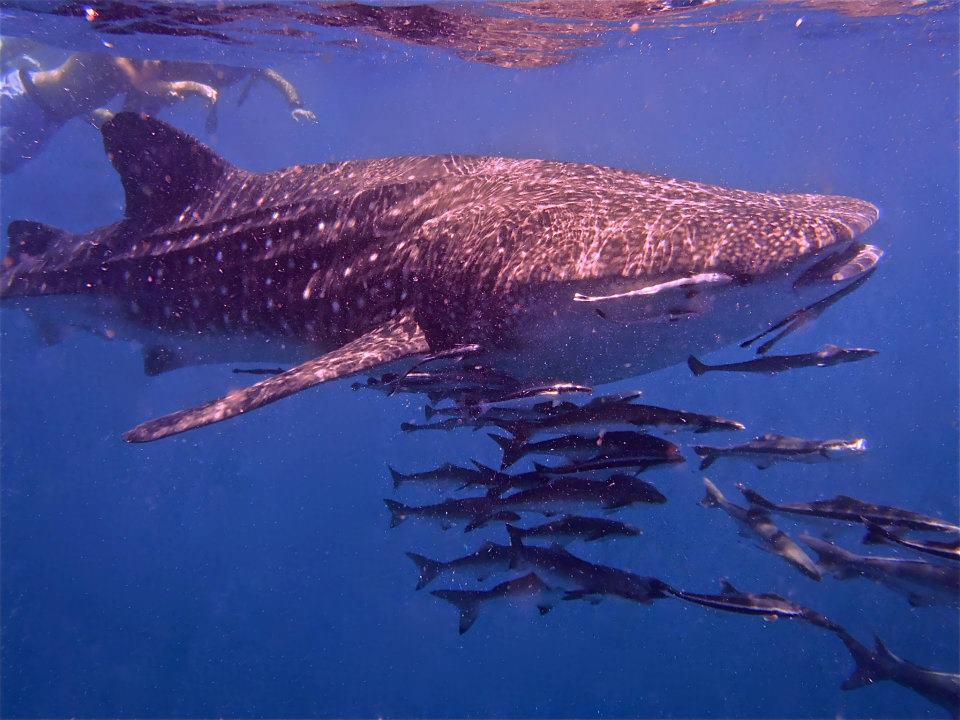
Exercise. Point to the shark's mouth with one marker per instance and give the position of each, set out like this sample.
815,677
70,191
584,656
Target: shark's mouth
848,263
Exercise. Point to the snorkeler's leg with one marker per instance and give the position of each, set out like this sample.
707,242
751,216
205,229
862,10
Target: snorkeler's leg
290,92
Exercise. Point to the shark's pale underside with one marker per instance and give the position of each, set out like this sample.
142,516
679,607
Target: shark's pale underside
556,270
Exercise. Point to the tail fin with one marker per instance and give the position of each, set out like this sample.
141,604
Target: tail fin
829,557
708,455
713,498
31,238
398,477
429,569
511,447
755,498
429,411
398,512
514,427
876,534
868,670
696,367
466,601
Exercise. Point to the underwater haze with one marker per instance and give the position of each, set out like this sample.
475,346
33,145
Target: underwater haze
249,568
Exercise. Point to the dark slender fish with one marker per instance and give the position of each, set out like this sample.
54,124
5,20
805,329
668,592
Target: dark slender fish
797,319
571,495
766,605
949,550
574,527
880,664
756,522
828,356
768,449
476,511
528,588
584,448
850,509
258,371
617,415
922,582
447,474
489,559
446,425
604,468
584,580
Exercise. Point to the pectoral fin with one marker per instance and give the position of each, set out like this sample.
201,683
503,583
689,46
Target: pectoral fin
398,338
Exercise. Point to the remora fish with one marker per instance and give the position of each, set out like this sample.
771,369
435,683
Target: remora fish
618,415
584,580
826,357
446,475
922,582
366,264
949,550
604,468
880,664
843,507
768,449
767,605
490,558
757,522
582,448
575,494
477,511
528,588
574,527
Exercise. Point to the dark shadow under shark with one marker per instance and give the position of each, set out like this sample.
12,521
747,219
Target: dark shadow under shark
555,270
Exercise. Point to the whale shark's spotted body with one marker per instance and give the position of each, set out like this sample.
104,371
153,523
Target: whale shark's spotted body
556,270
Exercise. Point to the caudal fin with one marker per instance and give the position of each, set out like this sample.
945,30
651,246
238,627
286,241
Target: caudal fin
713,497
877,534
708,455
868,670
398,477
466,602
830,558
398,512
511,447
696,367
429,569
755,498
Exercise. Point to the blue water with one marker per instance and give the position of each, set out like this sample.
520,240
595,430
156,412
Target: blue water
247,569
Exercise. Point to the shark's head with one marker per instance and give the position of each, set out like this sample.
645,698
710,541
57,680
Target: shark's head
677,268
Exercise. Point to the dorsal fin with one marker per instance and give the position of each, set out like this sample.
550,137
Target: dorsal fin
727,588
162,169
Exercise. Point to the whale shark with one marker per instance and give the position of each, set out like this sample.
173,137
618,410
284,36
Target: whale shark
545,270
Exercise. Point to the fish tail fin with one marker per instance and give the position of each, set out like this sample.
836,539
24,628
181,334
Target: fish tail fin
876,534
429,569
830,558
868,670
517,429
398,512
398,477
713,495
696,367
28,241
707,456
429,411
755,498
511,447
466,602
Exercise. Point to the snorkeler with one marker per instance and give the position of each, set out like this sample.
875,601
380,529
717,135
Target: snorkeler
35,104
